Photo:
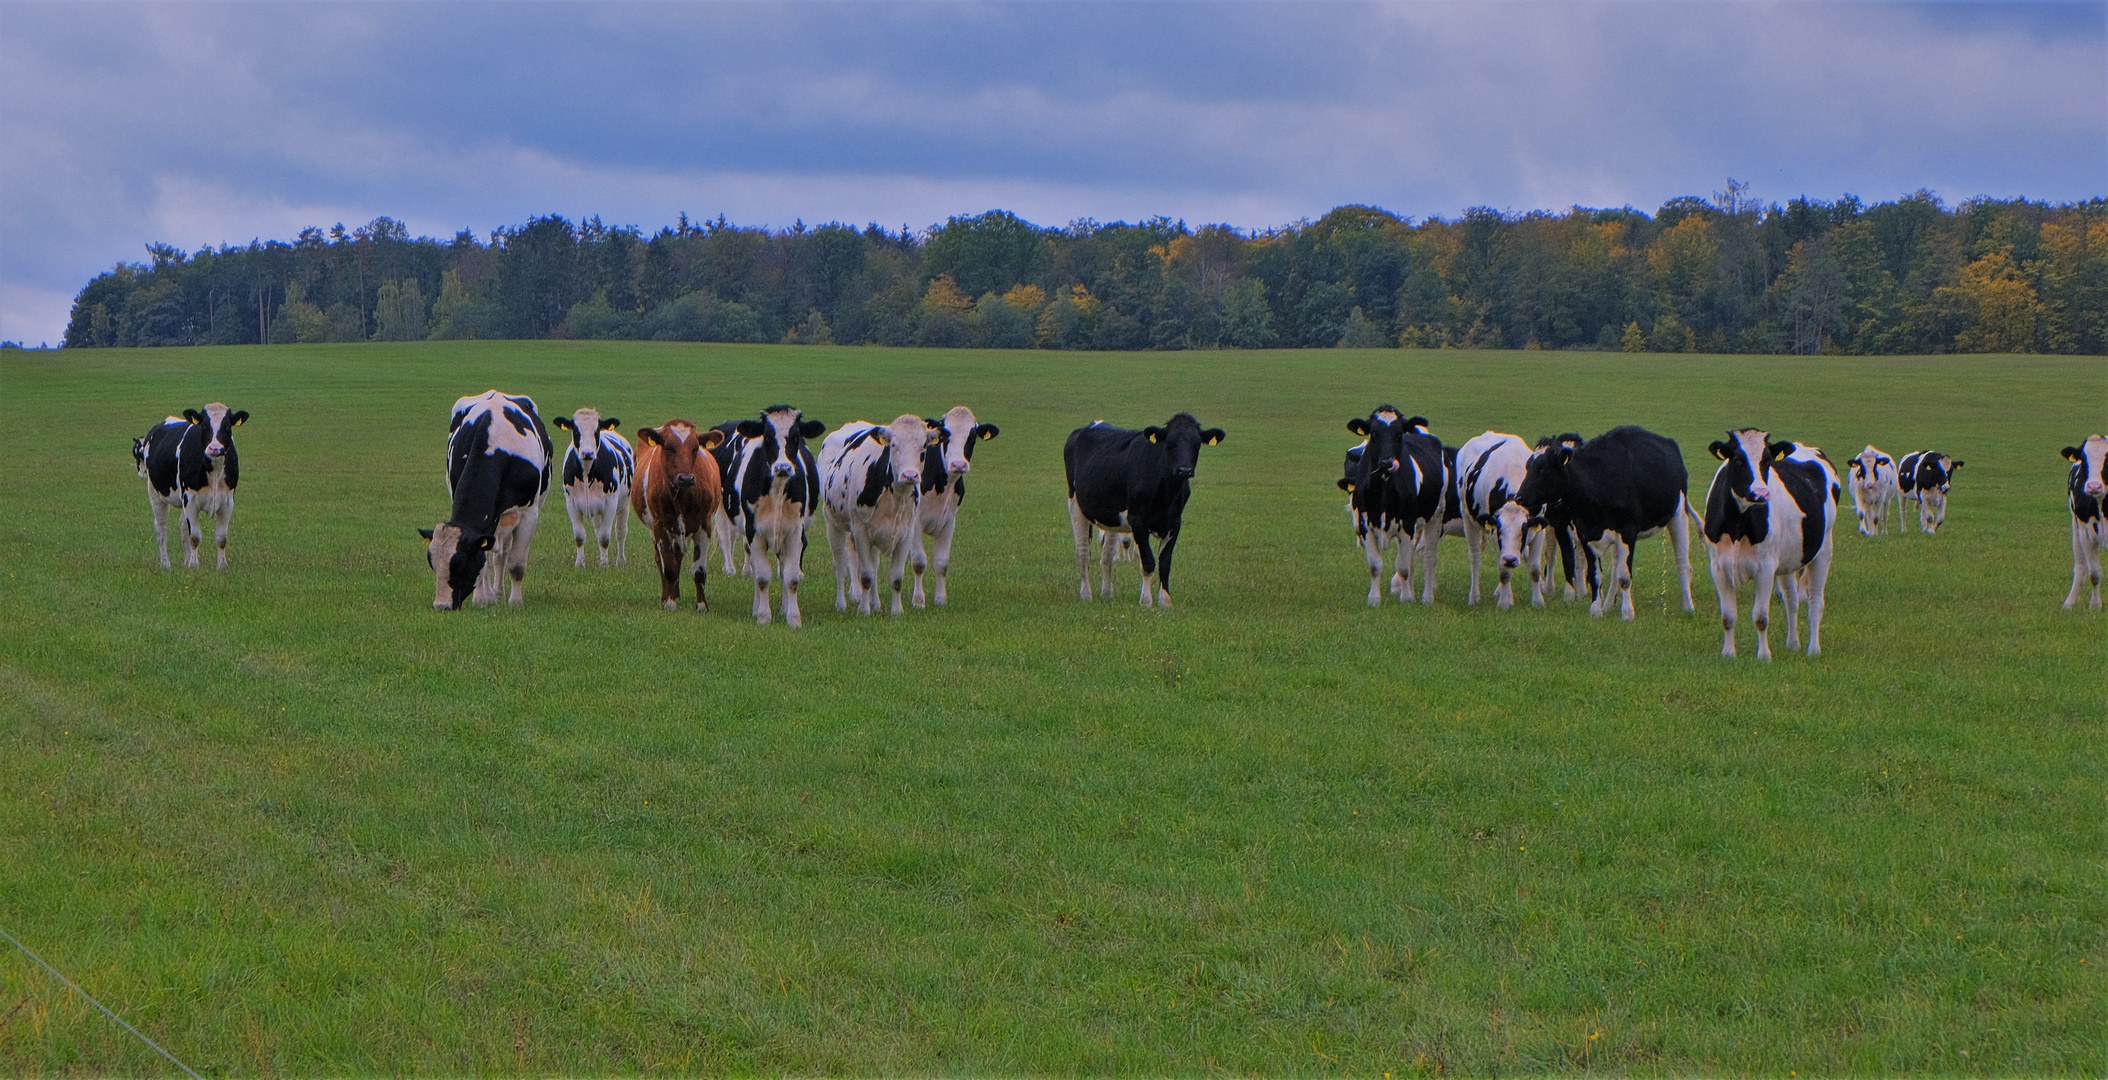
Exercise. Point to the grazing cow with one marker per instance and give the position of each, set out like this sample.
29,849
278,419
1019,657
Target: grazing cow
1560,527
597,471
190,466
1873,488
1493,465
776,491
1771,508
944,467
2089,515
725,453
1136,483
1617,489
870,484
1399,484
678,495
1925,476
497,472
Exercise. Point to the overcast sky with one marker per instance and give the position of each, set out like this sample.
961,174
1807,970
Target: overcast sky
195,124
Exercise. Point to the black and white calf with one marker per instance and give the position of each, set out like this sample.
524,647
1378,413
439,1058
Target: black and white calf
598,468
1924,477
775,491
1617,489
870,482
1400,484
1136,483
2089,515
190,466
1770,510
1492,468
945,463
497,472
1873,481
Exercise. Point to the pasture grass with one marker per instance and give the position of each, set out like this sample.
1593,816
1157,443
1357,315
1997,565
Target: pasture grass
288,819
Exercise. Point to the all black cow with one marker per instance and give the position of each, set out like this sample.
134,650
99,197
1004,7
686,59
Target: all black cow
1617,489
190,466
1134,483
1400,484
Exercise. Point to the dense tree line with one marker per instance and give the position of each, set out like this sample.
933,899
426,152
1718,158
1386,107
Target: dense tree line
1725,274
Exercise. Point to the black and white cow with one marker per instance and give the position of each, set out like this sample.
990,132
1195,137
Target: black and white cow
945,463
1924,476
774,493
871,484
1873,481
598,468
190,466
1559,556
1618,488
497,471
2089,515
1770,510
1492,467
1136,483
726,453
1399,484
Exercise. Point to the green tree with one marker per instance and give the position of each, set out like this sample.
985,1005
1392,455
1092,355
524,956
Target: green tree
989,253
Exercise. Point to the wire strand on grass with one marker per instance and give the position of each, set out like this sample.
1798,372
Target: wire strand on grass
75,987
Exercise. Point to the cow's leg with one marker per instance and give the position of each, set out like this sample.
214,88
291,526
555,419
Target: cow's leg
160,509
943,561
1627,547
1533,558
2093,560
621,525
844,562
668,547
701,573
1427,543
793,573
1599,589
1148,560
522,539
223,516
1724,582
2084,567
1475,550
1081,526
578,528
1790,599
1680,542
1110,546
191,534
1372,549
1760,609
920,563
604,530
1818,578
726,538
758,566
903,552
1163,569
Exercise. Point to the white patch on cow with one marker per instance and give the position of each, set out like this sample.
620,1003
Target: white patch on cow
504,436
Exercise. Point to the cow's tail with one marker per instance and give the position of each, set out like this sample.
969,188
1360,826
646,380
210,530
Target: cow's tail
1688,509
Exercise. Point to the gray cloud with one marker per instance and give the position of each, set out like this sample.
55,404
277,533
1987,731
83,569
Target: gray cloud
195,124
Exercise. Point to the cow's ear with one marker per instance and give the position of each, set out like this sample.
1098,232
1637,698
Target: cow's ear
713,439
1211,436
985,432
1346,484
241,418
1416,422
748,429
486,543
2071,453
1359,427
933,423
1957,465
812,429
564,422
881,436
1777,451
1153,433
610,423
651,435
193,416
426,533
1719,449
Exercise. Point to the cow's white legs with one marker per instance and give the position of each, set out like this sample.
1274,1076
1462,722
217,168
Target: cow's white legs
2085,564
727,537
1605,549
1110,550
1725,581
161,532
758,566
516,554
1934,509
845,562
1533,560
1475,549
191,534
865,558
620,515
1818,579
1789,584
941,564
1625,553
1760,610
1680,541
1372,549
223,516
1427,543
793,573
1081,526
578,529
604,531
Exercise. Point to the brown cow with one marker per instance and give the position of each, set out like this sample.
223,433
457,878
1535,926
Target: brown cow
677,489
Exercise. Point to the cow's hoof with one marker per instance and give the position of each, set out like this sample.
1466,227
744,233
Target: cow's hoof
670,605
701,607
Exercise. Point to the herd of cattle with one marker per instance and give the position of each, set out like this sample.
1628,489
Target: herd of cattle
889,493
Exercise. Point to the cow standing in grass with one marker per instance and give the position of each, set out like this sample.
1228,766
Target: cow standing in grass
497,473
870,483
726,453
1617,489
776,491
1492,467
1134,483
1873,482
677,496
598,467
945,463
1924,477
2088,498
1399,483
190,466
1770,510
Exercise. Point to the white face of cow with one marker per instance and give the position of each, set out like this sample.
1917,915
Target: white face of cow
907,437
783,425
217,429
1749,445
956,435
2092,462
585,434
1870,465
1513,525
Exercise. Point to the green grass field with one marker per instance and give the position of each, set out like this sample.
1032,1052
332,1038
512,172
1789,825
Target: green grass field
288,819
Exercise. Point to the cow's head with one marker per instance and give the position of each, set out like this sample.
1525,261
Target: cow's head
585,427
906,439
219,425
1749,453
1384,451
457,559
1544,476
1182,437
2089,463
782,432
1936,472
139,455
1512,522
952,439
683,453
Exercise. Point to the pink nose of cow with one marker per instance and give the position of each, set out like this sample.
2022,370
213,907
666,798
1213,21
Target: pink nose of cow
783,468
1759,492
961,465
2094,487
1510,561
215,450
909,476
